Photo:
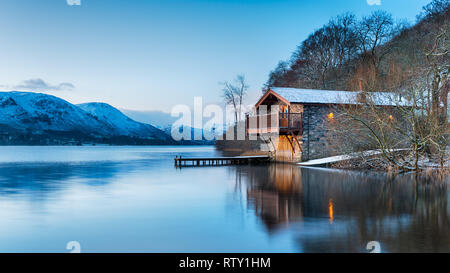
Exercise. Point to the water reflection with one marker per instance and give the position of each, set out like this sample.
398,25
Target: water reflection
342,211
133,199
44,179
274,192
330,210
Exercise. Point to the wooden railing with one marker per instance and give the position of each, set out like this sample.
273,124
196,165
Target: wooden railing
291,121
261,124
284,123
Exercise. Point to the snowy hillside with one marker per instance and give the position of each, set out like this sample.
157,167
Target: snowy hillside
120,123
164,121
36,112
158,119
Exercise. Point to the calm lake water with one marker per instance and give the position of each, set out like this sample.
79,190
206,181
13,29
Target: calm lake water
132,199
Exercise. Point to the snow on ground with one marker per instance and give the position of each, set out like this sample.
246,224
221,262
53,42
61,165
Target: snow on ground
334,159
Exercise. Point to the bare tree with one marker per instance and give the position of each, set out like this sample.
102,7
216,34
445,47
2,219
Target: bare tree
373,32
318,50
234,94
328,49
434,9
342,30
319,60
438,70
408,125
277,76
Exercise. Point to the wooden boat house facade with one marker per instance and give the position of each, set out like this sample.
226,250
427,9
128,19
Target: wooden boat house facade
295,122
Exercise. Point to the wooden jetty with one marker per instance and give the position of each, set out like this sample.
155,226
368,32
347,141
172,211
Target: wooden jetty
219,161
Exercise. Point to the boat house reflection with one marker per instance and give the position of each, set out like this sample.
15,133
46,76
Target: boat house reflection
278,201
348,207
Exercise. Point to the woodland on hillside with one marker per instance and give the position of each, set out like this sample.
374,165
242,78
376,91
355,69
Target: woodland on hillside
376,53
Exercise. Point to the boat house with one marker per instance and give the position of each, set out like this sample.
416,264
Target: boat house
295,122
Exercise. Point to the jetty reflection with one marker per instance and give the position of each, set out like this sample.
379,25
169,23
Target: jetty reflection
134,196
343,210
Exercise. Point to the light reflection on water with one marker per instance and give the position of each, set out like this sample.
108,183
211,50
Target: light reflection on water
132,199
340,211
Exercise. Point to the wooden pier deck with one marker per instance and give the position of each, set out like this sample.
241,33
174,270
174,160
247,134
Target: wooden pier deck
219,161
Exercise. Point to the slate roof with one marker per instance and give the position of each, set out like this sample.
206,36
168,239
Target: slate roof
314,96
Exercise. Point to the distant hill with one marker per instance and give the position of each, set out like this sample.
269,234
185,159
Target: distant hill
158,119
36,118
39,112
119,123
164,121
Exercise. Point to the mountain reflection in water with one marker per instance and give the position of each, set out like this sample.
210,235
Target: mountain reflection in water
132,199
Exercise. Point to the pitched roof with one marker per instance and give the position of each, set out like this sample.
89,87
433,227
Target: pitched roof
313,96
295,95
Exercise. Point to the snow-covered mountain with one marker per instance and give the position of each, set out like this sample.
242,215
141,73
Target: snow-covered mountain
164,122
36,112
158,119
120,123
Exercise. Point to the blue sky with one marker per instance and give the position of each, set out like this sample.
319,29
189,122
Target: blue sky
153,54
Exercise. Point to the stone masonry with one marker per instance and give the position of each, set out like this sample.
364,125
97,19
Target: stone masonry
316,135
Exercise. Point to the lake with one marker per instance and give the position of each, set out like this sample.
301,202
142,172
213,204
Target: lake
133,199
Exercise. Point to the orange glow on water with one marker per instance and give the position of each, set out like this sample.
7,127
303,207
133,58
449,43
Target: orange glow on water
330,210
